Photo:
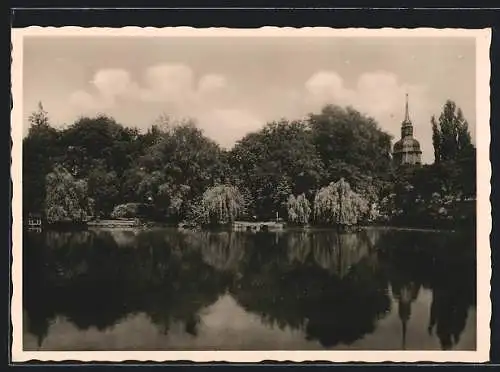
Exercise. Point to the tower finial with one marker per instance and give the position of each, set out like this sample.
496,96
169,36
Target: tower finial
407,114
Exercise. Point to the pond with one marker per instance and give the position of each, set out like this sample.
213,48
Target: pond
166,289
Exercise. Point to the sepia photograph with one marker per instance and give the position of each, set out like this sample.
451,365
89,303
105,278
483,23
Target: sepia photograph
248,195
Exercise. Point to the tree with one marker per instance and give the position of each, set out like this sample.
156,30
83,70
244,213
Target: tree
103,188
450,134
337,204
299,209
39,149
185,156
149,185
275,162
129,186
222,204
178,167
99,138
454,153
172,199
351,146
436,140
192,159
39,119
67,198
425,196
293,215
169,200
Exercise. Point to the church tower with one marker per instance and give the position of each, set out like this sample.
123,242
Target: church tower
407,149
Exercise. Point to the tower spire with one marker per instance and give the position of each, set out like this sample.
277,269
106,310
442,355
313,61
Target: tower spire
407,114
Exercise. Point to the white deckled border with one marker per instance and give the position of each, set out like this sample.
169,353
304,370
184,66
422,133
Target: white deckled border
483,40
267,31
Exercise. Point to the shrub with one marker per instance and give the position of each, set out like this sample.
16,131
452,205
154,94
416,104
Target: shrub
129,210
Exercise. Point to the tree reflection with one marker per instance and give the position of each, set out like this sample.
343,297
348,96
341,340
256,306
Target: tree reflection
94,283
333,287
444,263
454,290
322,282
222,250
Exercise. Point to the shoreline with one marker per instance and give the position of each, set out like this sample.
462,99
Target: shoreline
250,227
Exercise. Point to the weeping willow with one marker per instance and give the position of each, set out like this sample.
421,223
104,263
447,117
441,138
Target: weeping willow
337,204
299,210
66,199
222,204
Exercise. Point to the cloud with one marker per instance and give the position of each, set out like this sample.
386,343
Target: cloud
375,93
327,87
211,83
171,85
227,126
173,89
168,83
112,83
378,94
214,91
227,112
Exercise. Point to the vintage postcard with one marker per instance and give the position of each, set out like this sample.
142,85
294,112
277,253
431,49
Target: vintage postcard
234,195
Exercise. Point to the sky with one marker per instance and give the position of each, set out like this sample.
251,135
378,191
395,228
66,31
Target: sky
232,86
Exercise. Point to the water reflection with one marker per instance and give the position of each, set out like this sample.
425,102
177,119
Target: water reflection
376,289
438,263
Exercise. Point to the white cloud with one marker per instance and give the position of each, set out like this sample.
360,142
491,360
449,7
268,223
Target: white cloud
168,83
214,91
226,114
211,83
111,83
327,87
173,88
378,94
227,126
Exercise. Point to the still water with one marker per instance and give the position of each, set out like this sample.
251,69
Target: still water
166,289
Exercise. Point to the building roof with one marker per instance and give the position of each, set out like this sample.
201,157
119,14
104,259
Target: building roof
407,144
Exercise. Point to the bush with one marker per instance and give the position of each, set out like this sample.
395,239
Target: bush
129,210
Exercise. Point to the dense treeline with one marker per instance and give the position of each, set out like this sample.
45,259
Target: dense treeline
333,167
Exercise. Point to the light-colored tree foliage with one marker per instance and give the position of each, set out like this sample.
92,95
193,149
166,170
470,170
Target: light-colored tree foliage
129,210
299,209
67,198
337,204
222,204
